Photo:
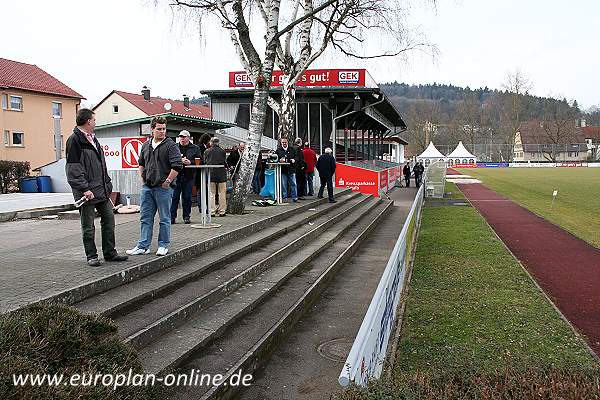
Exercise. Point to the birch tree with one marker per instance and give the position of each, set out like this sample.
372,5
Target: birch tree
294,34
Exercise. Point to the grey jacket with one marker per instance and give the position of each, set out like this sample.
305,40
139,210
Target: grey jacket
159,162
86,168
215,155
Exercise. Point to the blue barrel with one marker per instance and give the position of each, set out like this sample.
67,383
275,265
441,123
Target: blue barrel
44,184
28,184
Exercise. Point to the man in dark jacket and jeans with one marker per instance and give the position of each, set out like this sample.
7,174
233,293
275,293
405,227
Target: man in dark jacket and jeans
326,167
88,177
160,162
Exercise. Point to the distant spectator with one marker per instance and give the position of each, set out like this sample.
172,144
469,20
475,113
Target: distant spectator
326,167
287,154
233,160
406,173
215,155
310,159
300,167
185,180
418,171
202,146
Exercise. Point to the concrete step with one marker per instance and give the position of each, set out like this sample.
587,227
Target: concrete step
119,300
150,266
247,344
141,326
172,348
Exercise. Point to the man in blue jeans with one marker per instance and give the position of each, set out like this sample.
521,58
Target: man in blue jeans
185,180
160,163
287,154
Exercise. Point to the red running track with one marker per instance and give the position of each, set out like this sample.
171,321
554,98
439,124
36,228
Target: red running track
566,267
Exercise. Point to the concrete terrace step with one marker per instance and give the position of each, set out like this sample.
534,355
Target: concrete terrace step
141,326
151,265
247,343
172,348
118,300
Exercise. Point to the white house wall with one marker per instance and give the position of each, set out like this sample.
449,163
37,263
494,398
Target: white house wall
105,115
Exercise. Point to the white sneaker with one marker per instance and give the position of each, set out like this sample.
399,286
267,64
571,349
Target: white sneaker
136,251
162,251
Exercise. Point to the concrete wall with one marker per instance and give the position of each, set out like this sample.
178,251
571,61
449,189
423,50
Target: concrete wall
37,124
56,171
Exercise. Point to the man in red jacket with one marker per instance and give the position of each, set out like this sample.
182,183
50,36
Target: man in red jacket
310,158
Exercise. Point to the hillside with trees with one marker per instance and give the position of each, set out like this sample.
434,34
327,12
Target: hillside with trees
481,118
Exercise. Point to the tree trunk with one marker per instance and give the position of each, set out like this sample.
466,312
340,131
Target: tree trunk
243,183
287,115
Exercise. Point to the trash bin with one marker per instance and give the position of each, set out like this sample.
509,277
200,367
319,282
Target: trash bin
28,184
44,184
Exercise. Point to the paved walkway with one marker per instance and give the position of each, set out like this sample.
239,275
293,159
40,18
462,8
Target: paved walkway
566,267
12,202
40,258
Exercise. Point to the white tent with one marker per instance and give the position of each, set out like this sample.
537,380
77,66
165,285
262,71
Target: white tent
430,155
461,155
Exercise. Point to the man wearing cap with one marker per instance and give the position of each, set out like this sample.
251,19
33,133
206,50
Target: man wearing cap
185,180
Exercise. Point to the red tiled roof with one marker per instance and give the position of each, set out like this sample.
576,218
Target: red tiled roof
18,75
533,131
591,132
156,105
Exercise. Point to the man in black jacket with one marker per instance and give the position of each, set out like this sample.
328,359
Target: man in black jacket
233,160
185,180
326,167
160,163
287,154
300,166
88,177
406,173
215,155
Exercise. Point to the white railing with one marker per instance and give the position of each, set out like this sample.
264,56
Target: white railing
368,353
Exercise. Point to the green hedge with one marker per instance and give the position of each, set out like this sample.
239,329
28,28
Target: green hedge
10,172
55,339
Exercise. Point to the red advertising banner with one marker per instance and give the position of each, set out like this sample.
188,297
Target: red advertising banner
360,180
464,166
131,149
383,179
312,77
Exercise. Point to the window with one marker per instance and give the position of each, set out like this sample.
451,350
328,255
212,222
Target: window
7,138
16,103
115,109
56,109
17,139
242,119
4,101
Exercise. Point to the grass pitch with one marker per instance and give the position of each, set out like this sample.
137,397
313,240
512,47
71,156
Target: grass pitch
577,205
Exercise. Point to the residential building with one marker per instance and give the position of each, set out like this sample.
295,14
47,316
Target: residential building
31,101
541,141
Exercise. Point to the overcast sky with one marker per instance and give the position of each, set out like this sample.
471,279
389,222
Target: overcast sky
97,46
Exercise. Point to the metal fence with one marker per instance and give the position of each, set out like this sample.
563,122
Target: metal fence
368,353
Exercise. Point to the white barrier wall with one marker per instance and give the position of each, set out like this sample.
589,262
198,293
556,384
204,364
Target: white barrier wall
369,350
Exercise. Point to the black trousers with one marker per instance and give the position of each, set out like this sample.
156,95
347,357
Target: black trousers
107,226
301,183
329,182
